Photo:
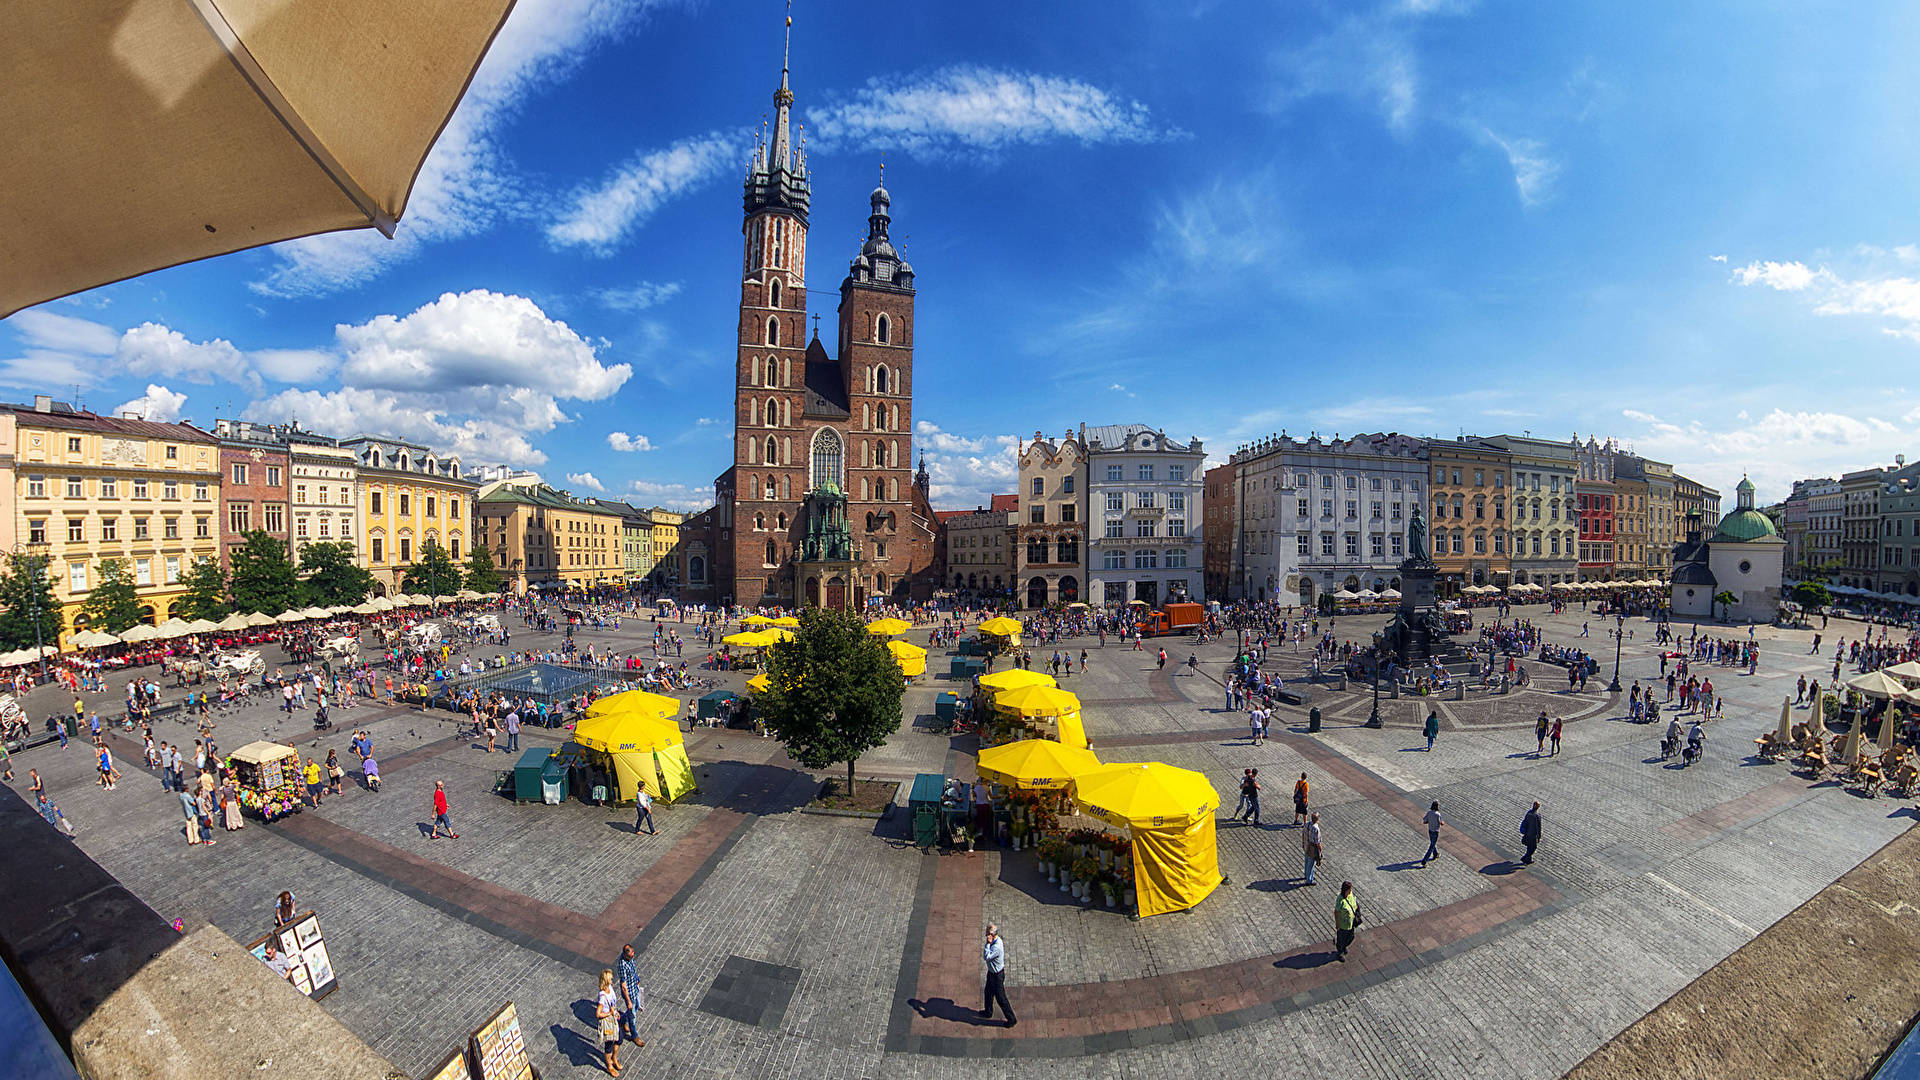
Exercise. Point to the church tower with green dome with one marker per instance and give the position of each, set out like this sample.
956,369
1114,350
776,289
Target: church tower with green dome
1745,556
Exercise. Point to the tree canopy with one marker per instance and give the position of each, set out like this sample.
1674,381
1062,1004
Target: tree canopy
114,604
1813,595
331,576
835,691
263,578
481,575
434,573
206,595
24,586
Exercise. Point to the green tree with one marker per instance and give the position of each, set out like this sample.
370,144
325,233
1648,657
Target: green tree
113,604
331,576
263,578
434,573
1812,595
206,595
24,590
835,691
1725,600
481,575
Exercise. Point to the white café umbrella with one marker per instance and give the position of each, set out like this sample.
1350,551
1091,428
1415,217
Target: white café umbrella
261,618
235,621
289,617
364,609
1877,684
202,626
316,613
172,628
139,633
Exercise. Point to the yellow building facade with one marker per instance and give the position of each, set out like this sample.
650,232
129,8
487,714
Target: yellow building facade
667,553
542,538
409,495
88,489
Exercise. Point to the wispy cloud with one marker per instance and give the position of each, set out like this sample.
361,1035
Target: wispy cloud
1877,289
970,109
1775,448
467,182
599,217
637,297
625,443
685,497
1534,171
1369,58
585,480
967,471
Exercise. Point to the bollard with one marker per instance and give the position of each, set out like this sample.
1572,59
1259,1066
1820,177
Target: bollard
1313,719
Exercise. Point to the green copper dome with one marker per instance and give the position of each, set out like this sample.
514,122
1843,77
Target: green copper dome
1743,526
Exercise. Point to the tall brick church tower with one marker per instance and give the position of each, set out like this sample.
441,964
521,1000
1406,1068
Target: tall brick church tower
821,506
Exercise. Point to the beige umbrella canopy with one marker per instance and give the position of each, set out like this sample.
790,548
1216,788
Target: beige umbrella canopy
166,131
1785,734
261,619
291,617
381,603
172,628
235,621
1908,671
1850,746
364,609
202,626
140,632
1877,684
316,613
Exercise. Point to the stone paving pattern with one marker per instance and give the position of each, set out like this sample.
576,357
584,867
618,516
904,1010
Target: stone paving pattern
1649,875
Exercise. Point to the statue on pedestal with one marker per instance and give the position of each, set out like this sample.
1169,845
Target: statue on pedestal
1417,538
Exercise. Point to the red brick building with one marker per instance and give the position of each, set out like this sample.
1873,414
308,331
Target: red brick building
1217,559
821,506
254,476
1596,493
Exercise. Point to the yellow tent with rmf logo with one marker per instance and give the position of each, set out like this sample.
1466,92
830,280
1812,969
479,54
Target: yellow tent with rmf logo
911,658
1169,812
640,751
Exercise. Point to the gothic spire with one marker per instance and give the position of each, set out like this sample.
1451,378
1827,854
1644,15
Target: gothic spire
775,178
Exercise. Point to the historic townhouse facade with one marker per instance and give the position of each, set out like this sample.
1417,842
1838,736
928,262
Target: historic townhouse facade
543,538
88,488
1544,524
1470,505
1148,494
1594,494
1050,532
409,495
1220,532
254,486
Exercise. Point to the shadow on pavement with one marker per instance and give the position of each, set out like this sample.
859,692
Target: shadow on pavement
1305,960
947,1009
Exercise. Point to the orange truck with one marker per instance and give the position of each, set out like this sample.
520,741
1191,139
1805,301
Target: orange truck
1172,618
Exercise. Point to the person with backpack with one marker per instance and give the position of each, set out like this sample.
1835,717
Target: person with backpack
1346,920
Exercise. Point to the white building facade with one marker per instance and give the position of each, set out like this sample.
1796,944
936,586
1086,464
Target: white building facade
1144,511
1317,515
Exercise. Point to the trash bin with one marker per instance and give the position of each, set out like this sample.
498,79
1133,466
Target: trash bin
553,782
1313,719
527,775
946,707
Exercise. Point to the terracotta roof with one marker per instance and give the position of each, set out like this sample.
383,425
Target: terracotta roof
86,421
1008,503
944,516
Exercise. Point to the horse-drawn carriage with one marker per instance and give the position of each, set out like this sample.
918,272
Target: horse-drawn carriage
231,664
341,647
422,635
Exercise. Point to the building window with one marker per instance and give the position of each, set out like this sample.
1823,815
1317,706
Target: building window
170,529
239,517
1039,486
1036,515
1353,545
826,459
202,526
1146,560
1067,512
1116,501
406,549
73,444
1326,544
173,453
109,528
76,488
1176,472
1396,546
1377,545
1301,544
109,487
1116,528
201,491
143,571
276,518
1145,499
36,530
373,501
36,487
1176,526
1066,485
76,530
240,473
173,569
1065,550
1353,508
1143,528
1177,559
1145,472
76,577
1114,560
273,476
379,550
170,490
1177,501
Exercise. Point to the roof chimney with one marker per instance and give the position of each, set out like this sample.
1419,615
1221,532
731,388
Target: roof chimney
42,403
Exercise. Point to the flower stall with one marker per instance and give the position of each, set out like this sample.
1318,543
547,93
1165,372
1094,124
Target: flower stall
268,777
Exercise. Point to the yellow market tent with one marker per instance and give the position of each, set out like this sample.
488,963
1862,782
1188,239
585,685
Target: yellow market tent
1015,678
787,621
1035,764
644,752
1169,812
759,684
637,701
1001,626
911,658
748,639
755,620
1042,702
888,627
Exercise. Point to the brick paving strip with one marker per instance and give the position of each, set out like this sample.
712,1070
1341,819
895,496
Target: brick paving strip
1825,992
1722,816
579,940
941,964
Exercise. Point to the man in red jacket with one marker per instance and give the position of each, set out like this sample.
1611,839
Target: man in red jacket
440,813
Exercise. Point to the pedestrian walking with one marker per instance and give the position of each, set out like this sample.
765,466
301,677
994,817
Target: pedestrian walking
192,811
1433,833
334,772
1530,833
513,731
440,817
1346,919
643,812
994,954
606,1009
1554,736
1310,845
51,813
1432,728
1300,799
633,999
1250,795
1540,726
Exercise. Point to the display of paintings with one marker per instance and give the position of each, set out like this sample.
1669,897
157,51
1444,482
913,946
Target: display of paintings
305,947
454,1068
498,1050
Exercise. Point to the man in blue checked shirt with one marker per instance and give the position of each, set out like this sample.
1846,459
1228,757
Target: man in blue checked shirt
995,955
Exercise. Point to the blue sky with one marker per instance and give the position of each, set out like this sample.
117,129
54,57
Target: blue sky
1690,227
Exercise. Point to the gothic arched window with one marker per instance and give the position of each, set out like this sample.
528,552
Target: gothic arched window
773,293
773,331
773,451
772,415
881,329
771,371
826,458
880,379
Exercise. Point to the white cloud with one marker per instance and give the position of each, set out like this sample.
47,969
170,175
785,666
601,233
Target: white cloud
1717,258
598,218
585,480
672,496
1368,58
158,404
704,421
153,349
1775,449
625,443
473,340
638,297
467,427
967,471
1784,277
466,182
293,365
1534,172
968,108
42,329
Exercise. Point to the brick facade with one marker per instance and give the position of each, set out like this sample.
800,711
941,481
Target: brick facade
253,493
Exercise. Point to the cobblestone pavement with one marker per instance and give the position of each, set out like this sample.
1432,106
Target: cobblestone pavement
776,943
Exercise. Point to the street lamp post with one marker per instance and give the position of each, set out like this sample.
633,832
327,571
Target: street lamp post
1619,632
